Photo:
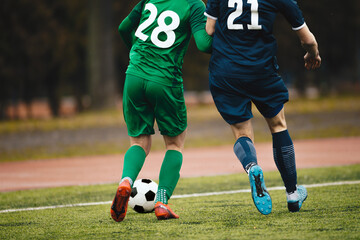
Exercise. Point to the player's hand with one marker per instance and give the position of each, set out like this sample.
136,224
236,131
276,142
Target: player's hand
312,62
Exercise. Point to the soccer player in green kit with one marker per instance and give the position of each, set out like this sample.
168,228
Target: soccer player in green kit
157,33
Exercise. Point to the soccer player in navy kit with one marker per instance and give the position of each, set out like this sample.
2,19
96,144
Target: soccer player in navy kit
243,70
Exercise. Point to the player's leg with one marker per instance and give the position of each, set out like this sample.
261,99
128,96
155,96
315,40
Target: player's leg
139,119
234,105
135,157
283,150
284,156
245,151
133,161
170,114
270,102
169,175
170,168
244,148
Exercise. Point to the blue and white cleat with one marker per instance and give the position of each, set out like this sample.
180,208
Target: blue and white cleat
296,199
260,195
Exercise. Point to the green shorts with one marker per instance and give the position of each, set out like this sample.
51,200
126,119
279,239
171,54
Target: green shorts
144,101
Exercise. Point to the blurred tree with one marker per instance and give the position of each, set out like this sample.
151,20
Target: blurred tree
41,50
121,10
16,49
100,55
357,40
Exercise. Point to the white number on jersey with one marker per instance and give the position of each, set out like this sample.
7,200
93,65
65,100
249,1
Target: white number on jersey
239,10
153,12
162,27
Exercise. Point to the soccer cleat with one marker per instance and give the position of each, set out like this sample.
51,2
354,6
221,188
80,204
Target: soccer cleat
164,212
260,195
296,199
120,202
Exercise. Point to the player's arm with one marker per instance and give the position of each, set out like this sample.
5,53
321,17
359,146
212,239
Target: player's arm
312,57
128,26
126,30
211,12
197,24
203,41
293,14
210,26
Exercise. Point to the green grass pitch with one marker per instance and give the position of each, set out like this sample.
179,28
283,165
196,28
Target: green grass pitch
330,212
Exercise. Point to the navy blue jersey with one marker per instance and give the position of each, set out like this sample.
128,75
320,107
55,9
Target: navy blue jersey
244,45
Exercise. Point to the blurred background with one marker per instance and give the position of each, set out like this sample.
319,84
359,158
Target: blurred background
69,52
63,63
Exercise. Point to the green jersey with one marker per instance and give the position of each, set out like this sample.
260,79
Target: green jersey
164,28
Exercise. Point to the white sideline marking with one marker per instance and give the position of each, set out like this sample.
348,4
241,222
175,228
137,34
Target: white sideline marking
177,196
269,189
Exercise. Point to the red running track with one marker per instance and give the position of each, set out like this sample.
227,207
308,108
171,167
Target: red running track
197,162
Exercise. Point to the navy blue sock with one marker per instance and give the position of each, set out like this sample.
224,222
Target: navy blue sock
284,156
245,151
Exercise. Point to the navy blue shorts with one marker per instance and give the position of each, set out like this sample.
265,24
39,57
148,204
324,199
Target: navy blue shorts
233,96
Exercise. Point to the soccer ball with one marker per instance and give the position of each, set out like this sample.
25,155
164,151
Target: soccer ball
143,194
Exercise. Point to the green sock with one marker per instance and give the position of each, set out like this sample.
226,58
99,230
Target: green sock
161,196
133,161
169,175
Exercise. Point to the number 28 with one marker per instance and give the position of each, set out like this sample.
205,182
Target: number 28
162,26
254,25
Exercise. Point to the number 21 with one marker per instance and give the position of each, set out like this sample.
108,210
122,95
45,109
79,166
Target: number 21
239,10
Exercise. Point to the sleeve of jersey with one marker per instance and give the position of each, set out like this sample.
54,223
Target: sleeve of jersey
197,18
212,9
128,26
197,22
203,41
126,32
292,13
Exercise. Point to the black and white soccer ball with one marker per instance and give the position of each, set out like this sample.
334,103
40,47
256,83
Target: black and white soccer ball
143,194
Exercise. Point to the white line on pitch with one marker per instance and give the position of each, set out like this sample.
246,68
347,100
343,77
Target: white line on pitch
177,196
269,189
